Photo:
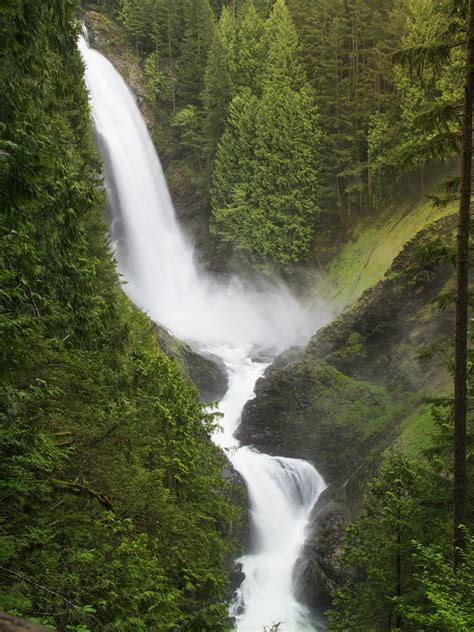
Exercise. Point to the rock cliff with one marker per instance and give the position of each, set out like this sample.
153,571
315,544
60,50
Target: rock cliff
342,401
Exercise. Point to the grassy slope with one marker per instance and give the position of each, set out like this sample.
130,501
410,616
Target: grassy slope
363,261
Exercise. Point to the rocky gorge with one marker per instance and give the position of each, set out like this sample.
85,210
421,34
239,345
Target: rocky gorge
357,389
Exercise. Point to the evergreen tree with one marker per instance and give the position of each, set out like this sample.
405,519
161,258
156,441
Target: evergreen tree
462,305
218,90
138,17
286,178
268,211
250,49
447,601
345,50
379,551
196,42
436,53
283,65
233,171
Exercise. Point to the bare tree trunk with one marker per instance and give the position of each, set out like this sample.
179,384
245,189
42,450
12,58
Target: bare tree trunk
460,357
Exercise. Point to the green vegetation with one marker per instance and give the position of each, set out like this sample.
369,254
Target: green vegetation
374,114
113,512
266,208
375,243
222,79
293,126
399,545
398,556
360,388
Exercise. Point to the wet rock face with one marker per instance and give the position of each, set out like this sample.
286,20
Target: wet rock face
310,410
317,570
340,403
207,371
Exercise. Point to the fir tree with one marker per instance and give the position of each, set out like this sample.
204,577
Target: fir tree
197,39
233,172
285,185
268,210
380,548
250,49
218,90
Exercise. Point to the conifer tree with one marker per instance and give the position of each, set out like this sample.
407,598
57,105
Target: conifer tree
197,39
268,209
379,550
218,90
250,48
345,50
456,31
233,172
137,15
462,312
285,186
284,66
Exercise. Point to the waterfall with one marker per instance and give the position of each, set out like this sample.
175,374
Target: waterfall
233,320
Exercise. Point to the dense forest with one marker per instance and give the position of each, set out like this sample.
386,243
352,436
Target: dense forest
292,124
114,514
248,93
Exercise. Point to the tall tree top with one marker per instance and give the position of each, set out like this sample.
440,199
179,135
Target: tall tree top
251,50
283,62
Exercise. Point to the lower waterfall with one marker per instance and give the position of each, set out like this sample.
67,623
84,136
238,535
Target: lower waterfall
234,321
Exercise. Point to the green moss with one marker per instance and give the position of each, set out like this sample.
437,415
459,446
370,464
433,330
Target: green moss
363,261
343,401
417,432
353,349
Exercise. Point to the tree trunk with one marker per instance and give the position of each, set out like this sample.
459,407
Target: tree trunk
460,357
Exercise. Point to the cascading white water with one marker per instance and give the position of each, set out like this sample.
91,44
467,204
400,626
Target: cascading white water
232,321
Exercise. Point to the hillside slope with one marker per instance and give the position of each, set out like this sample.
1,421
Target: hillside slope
358,388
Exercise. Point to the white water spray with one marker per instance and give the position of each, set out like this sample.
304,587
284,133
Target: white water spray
231,321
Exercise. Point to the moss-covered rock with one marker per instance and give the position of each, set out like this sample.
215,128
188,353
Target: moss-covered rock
356,388
310,405
207,372
380,337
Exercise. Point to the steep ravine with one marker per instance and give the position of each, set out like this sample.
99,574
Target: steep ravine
243,324
346,398
349,396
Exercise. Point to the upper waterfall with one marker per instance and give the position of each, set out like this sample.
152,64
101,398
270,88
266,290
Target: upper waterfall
154,256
